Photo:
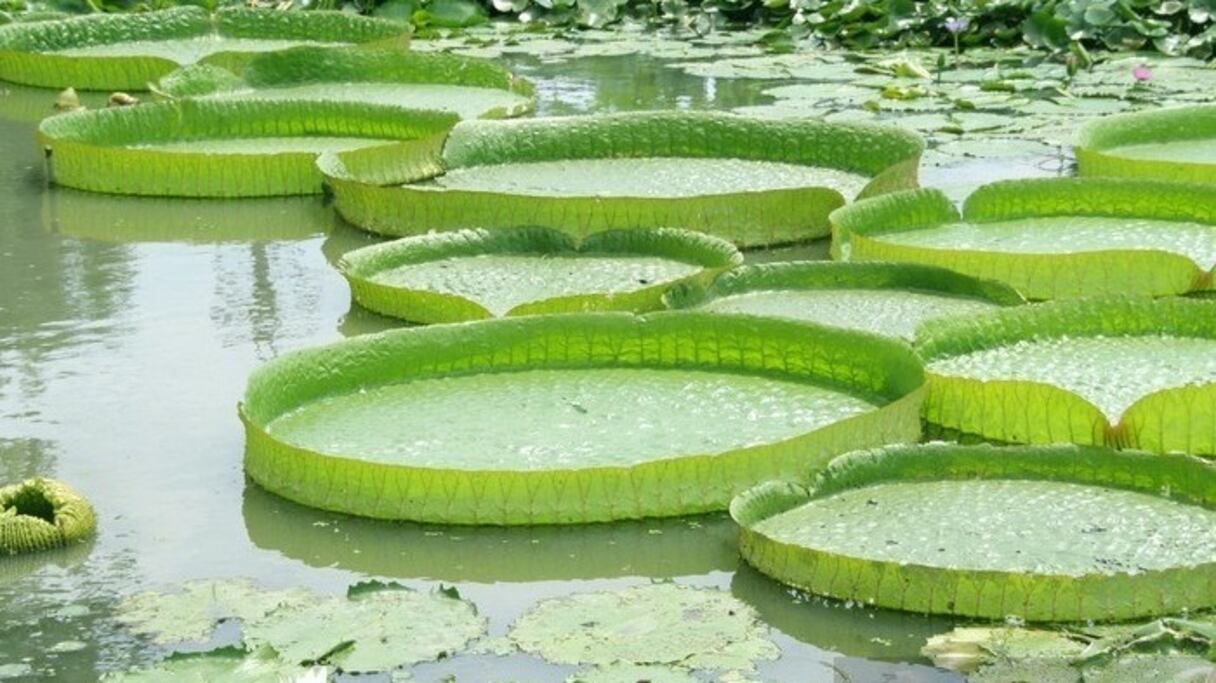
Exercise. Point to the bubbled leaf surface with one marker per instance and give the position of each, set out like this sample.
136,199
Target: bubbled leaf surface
1122,372
772,397
541,175
40,514
988,532
1176,144
471,274
214,148
128,51
656,624
1049,239
191,613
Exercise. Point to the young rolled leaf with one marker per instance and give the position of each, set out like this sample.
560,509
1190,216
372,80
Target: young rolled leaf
129,51
217,148
470,87
570,418
1126,373
752,181
888,299
477,274
1048,238
1039,533
1176,144
40,514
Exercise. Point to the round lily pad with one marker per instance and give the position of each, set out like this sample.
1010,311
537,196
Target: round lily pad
475,274
888,299
1048,238
1176,144
128,51
753,181
1041,533
40,514
215,148
469,87
570,418
1131,373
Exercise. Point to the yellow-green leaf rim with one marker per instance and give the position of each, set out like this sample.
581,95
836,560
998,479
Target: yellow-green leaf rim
1098,140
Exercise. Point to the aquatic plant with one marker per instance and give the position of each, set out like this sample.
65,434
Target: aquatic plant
40,514
1176,144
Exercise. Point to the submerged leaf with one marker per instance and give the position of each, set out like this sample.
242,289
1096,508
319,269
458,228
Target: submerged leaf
191,614
227,665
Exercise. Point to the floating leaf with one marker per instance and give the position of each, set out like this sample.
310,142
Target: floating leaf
229,665
191,614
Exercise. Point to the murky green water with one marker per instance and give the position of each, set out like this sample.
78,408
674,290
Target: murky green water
127,330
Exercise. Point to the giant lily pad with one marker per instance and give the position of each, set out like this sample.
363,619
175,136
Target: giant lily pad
1120,372
752,181
472,88
1042,533
40,514
888,299
475,274
569,418
213,148
1047,238
1176,144
129,51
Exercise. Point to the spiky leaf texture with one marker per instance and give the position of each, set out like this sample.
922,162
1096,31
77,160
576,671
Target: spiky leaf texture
861,364
862,232
363,269
28,50
987,593
1102,144
114,150
39,514
371,195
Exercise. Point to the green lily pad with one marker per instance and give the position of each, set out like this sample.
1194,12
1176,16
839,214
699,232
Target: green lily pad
1040,533
468,87
892,300
230,665
967,649
753,181
475,274
632,673
659,624
1167,668
192,613
577,399
218,148
1121,372
41,514
1175,144
1028,671
377,627
129,50
1048,238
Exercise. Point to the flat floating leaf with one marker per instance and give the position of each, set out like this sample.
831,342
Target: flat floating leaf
191,614
736,399
229,665
1037,532
375,628
658,624
753,181
632,673
218,148
1121,372
881,298
1166,668
468,87
474,274
1177,144
40,514
128,51
1048,239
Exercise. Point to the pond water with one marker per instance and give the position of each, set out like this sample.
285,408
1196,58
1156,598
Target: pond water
128,328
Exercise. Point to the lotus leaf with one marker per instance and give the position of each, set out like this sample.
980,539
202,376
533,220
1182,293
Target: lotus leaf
396,425
1175,144
475,274
1133,373
40,514
469,87
129,51
752,181
1049,239
657,624
218,148
887,299
1043,533
191,614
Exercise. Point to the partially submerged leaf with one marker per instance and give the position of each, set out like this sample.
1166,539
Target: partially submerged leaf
227,665
191,613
